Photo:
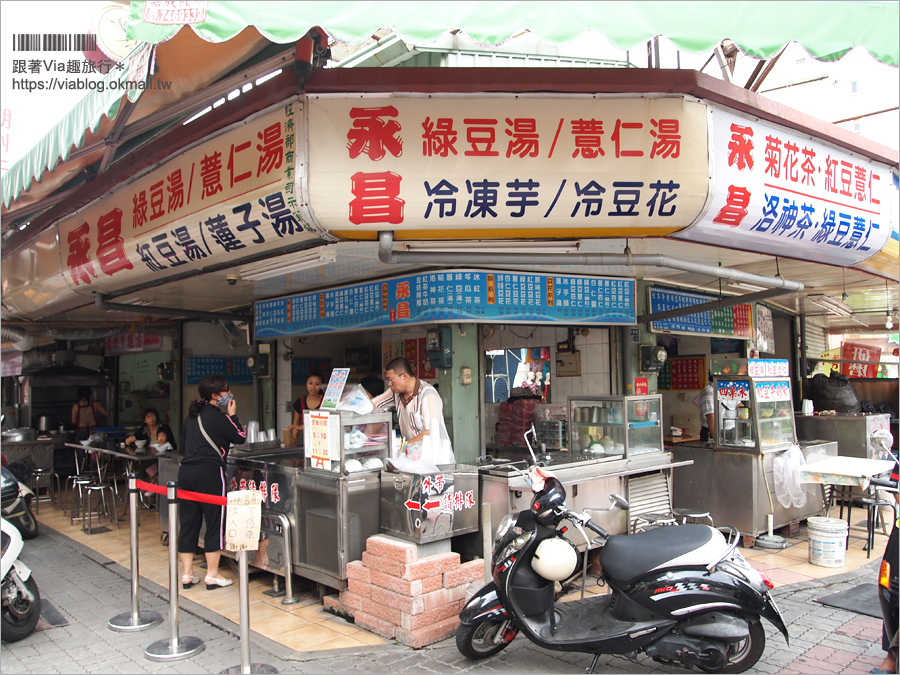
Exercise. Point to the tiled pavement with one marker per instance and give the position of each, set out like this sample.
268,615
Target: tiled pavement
81,577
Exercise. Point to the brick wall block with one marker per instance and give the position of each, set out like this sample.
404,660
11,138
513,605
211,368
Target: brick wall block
432,584
382,564
358,572
402,603
395,549
396,584
382,612
437,598
375,625
464,574
428,567
350,600
430,617
429,634
459,592
364,590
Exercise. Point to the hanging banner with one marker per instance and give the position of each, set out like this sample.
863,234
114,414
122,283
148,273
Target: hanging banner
224,199
779,192
732,321
523,165
450,296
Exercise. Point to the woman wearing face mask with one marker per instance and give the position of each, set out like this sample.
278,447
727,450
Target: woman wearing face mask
208,431
315,392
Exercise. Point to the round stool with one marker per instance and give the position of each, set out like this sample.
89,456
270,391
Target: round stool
78,483
873,506
652,520
100,489
35,484
693,515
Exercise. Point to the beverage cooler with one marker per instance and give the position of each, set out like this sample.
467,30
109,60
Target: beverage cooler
746,472
336,495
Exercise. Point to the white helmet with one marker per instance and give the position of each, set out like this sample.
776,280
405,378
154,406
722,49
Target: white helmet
555,559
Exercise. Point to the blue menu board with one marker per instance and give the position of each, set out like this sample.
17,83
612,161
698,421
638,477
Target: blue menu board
731,321
235,370
451,295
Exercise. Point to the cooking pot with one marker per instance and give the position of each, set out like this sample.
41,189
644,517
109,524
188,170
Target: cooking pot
18,435
45,423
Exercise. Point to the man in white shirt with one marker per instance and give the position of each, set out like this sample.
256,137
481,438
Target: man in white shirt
419,406
707,412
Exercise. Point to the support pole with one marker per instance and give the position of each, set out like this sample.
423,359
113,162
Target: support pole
174,648
486,539
134,620
246,667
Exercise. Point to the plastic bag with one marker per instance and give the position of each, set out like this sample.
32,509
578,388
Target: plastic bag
834,392
786,471
356,399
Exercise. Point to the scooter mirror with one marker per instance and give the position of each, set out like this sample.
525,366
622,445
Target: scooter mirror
881,437
533,433
619,500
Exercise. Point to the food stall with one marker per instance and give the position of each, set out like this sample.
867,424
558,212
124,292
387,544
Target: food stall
746,473
615,446
852,432
337,491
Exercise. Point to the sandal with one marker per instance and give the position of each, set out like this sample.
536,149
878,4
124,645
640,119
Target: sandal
188,580
212,582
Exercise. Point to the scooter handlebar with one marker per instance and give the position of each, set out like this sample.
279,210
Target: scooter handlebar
596,528
883,483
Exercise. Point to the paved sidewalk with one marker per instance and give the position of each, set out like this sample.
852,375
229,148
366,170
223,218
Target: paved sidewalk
88,589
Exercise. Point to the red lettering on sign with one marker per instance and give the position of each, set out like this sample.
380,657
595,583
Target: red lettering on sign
372,135
735,206
79,260
110,245
376,198
740,147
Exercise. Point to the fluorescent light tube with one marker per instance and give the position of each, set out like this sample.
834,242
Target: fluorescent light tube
286,264
832,305
741,286
485,246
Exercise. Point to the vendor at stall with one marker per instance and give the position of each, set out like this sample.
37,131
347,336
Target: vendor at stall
420,411
315,392
707,403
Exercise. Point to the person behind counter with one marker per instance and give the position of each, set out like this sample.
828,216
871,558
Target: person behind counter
86,414
419,405
707,403
312,401
153,431
209,429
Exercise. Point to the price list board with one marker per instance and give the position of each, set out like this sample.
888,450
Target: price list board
721,322
235,370
451,295
301,368
683,372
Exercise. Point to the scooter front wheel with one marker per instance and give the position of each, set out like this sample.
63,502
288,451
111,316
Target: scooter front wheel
21,616
479,641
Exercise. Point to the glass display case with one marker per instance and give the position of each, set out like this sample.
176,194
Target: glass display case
615,426
754,409
345,442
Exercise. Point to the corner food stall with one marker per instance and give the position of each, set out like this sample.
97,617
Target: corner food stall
748,471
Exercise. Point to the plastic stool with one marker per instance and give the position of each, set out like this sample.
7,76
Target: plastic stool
652,520
100,489
35,484
694,515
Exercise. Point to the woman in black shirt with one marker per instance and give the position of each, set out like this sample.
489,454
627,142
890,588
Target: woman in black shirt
208,431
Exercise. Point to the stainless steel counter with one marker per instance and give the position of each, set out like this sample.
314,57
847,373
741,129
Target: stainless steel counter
851,432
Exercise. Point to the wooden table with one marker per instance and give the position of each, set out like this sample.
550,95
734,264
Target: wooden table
680,439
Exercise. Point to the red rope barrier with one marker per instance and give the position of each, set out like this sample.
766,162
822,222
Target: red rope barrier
183,494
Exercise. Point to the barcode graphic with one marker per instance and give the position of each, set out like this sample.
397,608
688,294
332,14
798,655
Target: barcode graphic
54,42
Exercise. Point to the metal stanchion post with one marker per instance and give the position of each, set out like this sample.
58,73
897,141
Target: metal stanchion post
174,648
134,620
246,667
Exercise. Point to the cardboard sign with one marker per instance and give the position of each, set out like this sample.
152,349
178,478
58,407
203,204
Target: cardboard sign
242,520
335,387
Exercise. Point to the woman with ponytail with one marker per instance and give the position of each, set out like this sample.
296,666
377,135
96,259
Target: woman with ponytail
211,427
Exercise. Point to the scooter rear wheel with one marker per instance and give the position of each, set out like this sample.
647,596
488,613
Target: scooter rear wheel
477,642
743,655
14,628
27,524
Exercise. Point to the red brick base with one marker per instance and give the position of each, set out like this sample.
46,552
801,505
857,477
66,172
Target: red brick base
395,594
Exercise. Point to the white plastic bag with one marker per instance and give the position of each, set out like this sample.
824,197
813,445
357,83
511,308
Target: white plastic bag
786,472
356,399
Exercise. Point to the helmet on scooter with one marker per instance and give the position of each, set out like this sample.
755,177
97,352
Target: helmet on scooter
555,559
548,502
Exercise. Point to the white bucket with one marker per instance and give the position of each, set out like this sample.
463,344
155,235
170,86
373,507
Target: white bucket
827,541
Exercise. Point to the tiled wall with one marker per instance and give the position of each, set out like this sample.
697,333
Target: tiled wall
594,347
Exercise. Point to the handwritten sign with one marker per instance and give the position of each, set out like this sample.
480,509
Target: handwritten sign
242,520
320,438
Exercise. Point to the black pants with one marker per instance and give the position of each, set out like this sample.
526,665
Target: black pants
209,479
704,434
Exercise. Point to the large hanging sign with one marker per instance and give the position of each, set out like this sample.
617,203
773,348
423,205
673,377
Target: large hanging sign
781,193
227,198
735,321
450,296
506,166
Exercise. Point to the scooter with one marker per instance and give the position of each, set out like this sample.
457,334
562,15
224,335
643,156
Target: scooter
888,583
16,499
682,595
21,599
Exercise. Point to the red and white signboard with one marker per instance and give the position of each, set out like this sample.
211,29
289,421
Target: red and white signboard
851,351
227,198
781,193
623,166
135,343
321,438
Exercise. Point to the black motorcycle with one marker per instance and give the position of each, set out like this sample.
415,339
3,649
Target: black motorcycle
682,595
